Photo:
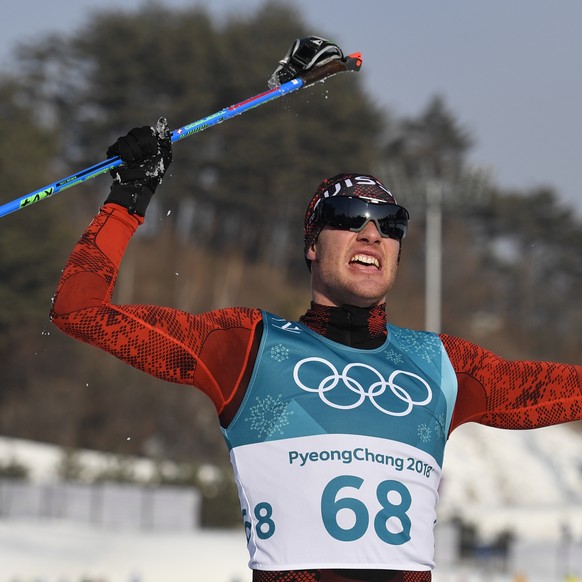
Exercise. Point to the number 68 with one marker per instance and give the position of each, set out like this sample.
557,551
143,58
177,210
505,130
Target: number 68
331,506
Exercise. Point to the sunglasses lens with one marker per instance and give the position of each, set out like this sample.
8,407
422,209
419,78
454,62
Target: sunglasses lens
351,213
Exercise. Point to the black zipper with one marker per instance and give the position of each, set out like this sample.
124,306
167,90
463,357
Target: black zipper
348,330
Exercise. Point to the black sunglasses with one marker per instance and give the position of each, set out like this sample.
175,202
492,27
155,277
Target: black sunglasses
353,213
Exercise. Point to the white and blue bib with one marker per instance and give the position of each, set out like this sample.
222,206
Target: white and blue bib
337,451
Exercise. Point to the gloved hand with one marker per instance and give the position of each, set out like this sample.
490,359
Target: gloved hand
146,154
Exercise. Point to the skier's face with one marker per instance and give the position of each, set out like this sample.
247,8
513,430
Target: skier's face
352,268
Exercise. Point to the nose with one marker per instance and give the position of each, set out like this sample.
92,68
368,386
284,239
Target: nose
370,233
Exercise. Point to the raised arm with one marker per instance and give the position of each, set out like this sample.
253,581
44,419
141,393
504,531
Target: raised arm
164,342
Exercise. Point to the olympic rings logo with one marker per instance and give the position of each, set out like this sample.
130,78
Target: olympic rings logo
372,392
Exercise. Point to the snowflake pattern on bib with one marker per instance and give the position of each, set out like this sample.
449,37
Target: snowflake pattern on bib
425,345
268,416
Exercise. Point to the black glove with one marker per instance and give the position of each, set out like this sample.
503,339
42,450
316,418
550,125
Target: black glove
146,154
304,55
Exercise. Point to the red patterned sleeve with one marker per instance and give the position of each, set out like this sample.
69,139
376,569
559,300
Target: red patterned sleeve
209,351
512,394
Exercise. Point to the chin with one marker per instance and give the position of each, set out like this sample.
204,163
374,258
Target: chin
369,297
365,304
362,300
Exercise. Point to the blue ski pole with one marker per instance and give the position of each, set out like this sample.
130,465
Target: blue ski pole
294,72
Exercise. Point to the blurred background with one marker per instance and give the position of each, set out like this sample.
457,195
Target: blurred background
470,113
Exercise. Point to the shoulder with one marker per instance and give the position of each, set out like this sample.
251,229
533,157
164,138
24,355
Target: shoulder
232,317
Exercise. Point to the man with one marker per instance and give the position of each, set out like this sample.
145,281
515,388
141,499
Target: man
336,423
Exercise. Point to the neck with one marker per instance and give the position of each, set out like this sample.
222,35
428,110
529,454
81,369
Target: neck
359,327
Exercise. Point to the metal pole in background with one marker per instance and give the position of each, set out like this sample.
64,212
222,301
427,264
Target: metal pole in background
433,269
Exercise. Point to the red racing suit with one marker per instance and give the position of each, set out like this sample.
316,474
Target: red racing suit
215,353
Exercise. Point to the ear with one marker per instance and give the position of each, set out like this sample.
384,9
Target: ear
311,253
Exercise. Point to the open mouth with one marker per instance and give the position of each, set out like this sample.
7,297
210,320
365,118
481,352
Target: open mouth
365,260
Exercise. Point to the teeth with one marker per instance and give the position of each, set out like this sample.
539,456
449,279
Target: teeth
367,260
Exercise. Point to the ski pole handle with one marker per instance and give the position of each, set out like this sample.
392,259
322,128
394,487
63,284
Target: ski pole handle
350,63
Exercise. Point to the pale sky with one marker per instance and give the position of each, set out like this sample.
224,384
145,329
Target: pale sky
509,70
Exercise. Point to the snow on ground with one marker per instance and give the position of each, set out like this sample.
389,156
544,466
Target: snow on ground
526,481
66,552
43,460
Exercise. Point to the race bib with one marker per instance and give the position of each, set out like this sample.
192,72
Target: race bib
337,501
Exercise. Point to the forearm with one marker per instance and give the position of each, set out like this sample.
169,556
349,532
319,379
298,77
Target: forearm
512,394
90,273
89,276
